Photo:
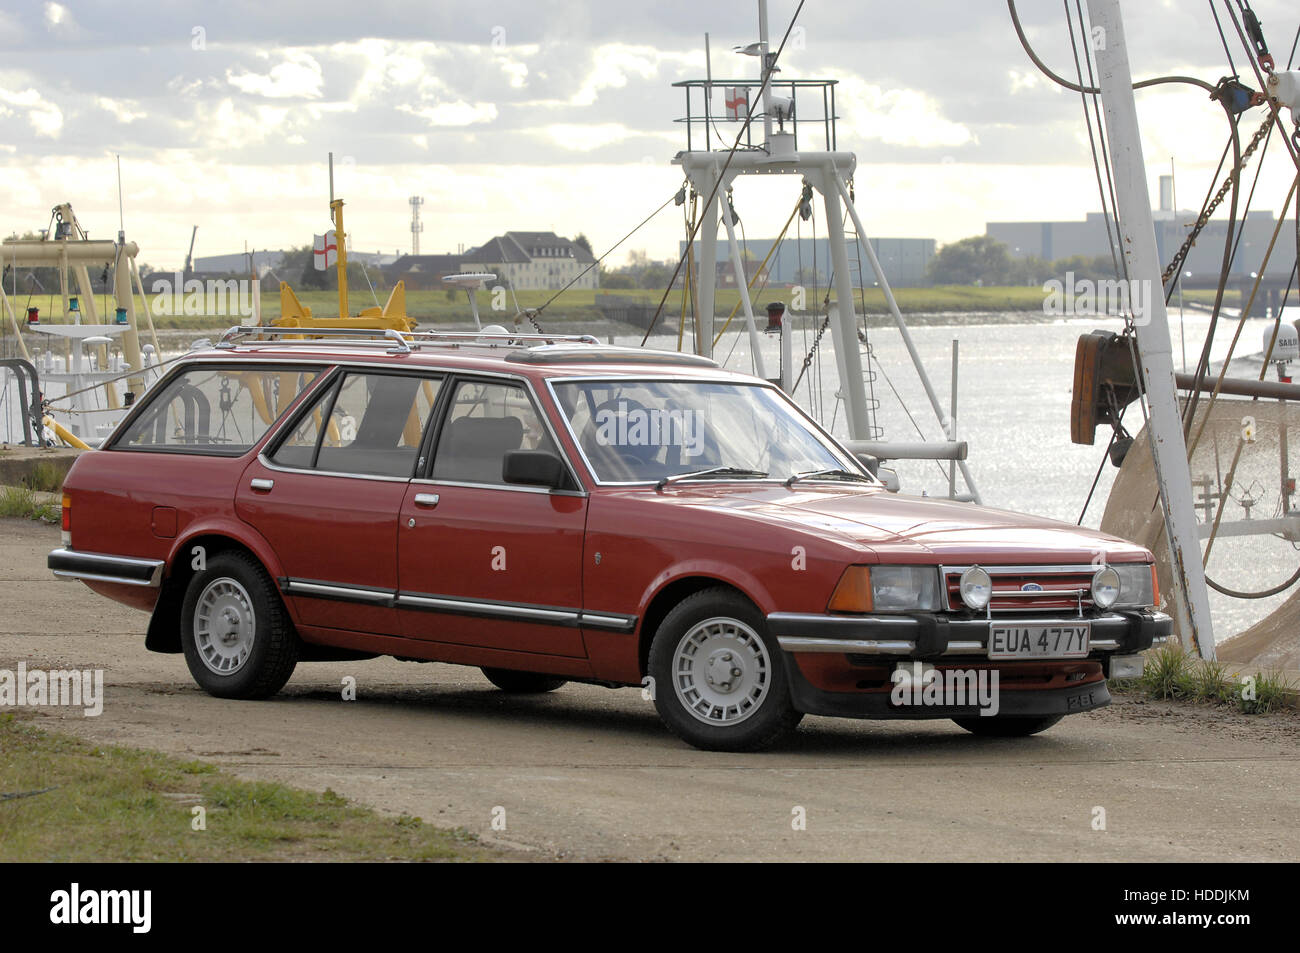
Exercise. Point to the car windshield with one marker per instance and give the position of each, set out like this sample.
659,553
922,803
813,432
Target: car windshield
646,430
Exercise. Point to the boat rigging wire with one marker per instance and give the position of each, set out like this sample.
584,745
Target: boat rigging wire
536,311
722,173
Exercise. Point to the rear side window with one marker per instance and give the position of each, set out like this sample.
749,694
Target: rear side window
215,410
368,424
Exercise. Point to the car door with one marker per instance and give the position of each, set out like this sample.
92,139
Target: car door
482,562
328,493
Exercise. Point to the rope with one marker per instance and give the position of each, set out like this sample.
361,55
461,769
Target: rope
750,284
546,304
111,380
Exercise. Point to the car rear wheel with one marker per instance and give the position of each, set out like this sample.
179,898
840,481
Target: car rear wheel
719,680
237,638
522,683
996,727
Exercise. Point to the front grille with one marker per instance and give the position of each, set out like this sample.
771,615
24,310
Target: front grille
1028,588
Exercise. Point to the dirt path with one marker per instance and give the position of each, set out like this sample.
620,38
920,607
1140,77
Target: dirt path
589,773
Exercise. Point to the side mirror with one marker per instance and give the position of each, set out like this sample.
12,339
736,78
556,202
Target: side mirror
533,468
889,477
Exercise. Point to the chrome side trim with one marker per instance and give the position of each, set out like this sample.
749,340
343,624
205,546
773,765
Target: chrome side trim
493,609
617,623
481,608
102,567
841,646
329,590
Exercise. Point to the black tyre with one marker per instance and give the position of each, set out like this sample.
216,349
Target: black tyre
996,727
236,635
719,679
522,683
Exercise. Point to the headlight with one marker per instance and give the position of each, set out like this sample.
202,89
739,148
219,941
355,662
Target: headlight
1136,588
1105,587
887,589
905,588
976,588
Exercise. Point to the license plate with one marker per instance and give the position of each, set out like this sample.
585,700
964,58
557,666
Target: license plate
1037,640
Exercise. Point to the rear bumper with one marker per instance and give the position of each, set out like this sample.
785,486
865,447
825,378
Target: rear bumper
101,567
926,635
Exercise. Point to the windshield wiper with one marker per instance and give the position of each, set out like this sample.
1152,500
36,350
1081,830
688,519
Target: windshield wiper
710,472
832,474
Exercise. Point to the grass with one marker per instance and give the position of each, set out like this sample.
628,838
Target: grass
112,804
24,502
44,477
580,304
1171,673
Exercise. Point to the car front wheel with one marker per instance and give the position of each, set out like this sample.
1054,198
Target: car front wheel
237,638
719,680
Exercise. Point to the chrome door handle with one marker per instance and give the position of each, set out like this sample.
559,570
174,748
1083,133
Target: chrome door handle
260,484
426,499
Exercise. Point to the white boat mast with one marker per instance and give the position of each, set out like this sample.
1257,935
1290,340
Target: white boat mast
1137,238
712,171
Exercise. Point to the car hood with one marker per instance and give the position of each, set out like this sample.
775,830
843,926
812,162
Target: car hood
908,525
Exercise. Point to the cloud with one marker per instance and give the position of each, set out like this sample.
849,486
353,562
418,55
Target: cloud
459,113
901,117
59,21
122,110
587,136
298,77
44,117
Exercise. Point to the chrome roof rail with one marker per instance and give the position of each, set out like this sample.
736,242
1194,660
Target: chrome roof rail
403,341
230,339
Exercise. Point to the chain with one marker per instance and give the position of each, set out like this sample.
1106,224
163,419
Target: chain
1204,220
531,315
812,352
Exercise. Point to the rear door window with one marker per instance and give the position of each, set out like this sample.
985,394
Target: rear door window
367,423
222,410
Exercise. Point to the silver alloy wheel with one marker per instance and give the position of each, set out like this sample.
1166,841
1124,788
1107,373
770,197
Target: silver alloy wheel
224,626
721,671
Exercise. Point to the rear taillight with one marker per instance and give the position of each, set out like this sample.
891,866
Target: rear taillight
67,513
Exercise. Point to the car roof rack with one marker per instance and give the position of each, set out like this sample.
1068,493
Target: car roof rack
567,354
400,342
531,348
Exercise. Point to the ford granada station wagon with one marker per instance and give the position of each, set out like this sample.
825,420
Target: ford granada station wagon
551,509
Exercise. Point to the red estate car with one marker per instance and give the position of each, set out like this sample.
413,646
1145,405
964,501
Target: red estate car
552,510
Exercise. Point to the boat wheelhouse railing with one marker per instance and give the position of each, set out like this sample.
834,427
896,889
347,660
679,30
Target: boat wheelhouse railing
797,105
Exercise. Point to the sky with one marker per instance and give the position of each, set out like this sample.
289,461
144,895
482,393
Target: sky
535,115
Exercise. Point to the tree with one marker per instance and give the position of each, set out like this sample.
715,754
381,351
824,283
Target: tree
616,280
975,260
582,241
656,275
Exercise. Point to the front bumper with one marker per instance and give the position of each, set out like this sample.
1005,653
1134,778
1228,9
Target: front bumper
927,635
843,666
100,567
